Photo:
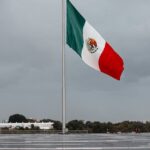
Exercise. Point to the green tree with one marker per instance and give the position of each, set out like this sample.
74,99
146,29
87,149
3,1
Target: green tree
57,125
97,127
46,120
17,118
76,125
89,126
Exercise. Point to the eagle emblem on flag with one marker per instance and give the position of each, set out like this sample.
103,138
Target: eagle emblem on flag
92,45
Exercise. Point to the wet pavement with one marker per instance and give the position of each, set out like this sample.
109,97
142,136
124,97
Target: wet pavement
75,142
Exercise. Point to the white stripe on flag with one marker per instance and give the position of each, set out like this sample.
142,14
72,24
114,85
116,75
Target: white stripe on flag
92,59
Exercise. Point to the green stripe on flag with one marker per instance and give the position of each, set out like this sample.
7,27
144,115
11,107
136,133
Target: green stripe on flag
75,24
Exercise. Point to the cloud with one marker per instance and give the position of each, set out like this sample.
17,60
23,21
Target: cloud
30,60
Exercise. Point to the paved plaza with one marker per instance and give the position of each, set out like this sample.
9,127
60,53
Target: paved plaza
75,142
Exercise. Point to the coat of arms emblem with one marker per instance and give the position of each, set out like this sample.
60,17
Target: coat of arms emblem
92,45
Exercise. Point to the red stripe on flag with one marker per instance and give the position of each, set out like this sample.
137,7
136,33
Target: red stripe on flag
111,63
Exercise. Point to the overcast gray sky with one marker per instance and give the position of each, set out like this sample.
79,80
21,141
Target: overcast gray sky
30,61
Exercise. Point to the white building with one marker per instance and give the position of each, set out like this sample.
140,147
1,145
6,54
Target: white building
44,126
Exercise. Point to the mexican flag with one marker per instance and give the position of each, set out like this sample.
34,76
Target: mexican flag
90,45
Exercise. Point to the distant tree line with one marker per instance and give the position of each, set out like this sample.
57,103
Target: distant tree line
99,127
91,127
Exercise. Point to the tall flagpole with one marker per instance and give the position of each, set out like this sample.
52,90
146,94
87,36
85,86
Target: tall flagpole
63,66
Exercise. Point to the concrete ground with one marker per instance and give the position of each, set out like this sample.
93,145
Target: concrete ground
75,142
